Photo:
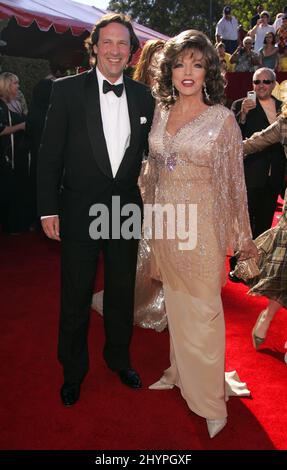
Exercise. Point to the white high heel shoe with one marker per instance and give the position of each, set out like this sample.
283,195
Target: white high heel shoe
214,426
161,385
260,329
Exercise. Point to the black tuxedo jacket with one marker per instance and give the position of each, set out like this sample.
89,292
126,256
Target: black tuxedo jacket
74,168
257,166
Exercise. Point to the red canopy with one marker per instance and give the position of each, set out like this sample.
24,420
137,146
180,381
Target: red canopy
62,16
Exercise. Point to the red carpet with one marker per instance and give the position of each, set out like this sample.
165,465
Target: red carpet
109,415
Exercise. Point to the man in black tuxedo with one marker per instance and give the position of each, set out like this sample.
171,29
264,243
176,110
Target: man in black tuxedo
264,171
91,153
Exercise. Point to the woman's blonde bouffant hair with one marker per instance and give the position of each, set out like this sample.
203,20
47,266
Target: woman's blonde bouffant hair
188,42
6,80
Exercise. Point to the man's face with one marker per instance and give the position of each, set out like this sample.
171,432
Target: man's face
264,19
113,50
263,90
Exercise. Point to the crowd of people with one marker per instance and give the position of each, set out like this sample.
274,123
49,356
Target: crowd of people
264,44
88,149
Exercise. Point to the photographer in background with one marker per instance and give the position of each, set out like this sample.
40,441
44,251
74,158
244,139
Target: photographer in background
245,58
264,170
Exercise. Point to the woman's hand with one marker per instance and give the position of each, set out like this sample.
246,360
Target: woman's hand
22,126
249,250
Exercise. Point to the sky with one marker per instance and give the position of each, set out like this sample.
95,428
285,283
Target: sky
96,3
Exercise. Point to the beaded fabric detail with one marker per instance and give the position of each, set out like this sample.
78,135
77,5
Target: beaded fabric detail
202,164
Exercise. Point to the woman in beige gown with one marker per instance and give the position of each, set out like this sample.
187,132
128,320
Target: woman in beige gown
196,153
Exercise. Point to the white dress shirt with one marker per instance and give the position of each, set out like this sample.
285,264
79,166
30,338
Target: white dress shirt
227,29
116,122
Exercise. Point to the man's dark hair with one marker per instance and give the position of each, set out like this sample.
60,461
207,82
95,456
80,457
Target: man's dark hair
105,21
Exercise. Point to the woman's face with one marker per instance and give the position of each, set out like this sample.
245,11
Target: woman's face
269,38
221,51
248,45
188,73
14,87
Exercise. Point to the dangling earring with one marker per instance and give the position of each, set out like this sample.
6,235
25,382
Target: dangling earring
173,92
207,97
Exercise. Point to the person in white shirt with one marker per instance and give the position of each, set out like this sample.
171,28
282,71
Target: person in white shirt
259,31
227,30
279,19
90,159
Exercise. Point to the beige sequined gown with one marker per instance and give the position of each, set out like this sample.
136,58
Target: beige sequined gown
201,164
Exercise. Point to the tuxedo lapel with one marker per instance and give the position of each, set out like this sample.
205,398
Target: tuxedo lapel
95,124
262,115
134,115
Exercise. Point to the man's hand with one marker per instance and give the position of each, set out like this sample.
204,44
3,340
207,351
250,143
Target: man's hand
246,106
51,227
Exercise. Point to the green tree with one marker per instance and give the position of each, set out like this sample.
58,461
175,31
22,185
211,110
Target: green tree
172,16
245,9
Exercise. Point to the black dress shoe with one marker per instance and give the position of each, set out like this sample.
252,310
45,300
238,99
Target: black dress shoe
70,393
130,378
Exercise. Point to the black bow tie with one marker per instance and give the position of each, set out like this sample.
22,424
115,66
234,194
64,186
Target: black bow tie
117,89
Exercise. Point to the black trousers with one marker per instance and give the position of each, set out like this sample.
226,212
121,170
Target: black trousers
79,260
230,45
261,208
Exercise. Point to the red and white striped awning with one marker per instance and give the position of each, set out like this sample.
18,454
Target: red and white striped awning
62,16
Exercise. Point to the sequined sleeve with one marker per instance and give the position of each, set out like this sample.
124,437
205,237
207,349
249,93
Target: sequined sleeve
259,140
230,190
147,181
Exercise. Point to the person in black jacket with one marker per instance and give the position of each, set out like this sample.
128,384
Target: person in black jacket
14,161
91,153
264,171
35,125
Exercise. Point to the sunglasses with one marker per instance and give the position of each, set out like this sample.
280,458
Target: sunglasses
266,82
